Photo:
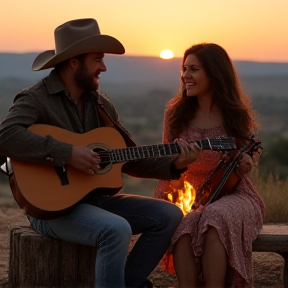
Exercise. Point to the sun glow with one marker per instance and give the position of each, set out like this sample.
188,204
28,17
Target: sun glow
166,54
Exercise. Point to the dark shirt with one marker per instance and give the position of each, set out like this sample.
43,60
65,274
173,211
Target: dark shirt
48,102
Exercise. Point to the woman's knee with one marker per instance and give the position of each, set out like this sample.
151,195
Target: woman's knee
212,240
211,233
215,215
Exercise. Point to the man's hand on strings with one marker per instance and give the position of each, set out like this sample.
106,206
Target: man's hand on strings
85,160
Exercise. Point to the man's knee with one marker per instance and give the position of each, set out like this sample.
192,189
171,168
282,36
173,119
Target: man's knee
172,213
176,214
118,231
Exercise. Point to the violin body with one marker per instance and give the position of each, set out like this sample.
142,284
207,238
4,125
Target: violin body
224,178
216,179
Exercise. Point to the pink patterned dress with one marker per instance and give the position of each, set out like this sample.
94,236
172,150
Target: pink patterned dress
238,217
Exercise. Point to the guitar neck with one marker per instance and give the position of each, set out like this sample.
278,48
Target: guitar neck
137,153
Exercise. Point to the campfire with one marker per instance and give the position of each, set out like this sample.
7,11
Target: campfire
183,198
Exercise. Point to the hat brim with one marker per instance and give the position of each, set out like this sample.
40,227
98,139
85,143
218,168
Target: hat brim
93,44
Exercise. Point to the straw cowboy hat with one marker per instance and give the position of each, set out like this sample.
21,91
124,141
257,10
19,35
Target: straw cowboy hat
77,37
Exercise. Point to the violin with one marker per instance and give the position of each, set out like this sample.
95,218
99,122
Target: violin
224,178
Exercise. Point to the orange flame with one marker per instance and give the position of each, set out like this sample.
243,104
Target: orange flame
183,198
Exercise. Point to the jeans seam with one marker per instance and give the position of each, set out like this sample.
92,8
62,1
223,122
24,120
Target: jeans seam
146,240
104,265
139,256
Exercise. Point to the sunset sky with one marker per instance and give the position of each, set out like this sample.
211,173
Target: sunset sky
248,29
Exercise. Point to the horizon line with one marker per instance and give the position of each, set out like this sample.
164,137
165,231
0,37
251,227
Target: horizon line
158,57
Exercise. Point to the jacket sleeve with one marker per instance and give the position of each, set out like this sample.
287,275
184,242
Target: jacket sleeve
161,168
19,143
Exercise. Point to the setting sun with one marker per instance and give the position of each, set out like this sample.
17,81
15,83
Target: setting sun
166,54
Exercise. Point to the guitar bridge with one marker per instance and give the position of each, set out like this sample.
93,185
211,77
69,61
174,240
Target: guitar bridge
62,174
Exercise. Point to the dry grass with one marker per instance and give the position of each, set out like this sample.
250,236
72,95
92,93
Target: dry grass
274,192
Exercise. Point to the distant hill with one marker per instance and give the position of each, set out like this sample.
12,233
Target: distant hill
127,69
139,75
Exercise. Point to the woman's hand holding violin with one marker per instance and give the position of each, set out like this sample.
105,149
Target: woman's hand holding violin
244,165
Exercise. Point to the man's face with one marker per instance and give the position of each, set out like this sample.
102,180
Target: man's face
87,74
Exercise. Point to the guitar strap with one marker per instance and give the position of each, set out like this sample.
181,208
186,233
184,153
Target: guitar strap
107,121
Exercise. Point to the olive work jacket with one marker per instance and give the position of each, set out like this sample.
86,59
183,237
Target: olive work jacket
48,102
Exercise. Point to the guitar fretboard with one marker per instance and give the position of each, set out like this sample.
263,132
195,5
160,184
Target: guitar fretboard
136,153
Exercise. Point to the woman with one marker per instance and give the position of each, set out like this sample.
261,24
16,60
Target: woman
213,243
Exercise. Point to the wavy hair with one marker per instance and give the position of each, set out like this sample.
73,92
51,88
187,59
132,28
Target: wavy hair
238,115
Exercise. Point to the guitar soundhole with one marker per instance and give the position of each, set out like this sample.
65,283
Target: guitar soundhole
104,156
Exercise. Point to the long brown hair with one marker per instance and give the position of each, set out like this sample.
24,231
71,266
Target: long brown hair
238,115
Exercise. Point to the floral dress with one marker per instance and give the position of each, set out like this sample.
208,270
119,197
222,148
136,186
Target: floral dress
238,217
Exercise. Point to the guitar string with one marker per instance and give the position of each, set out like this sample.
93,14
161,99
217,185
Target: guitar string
155,148
158,148
146,150
105,155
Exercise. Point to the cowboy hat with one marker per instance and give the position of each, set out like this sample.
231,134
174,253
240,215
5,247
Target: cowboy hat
77,37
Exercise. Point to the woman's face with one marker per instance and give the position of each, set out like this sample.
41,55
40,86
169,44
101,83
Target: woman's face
194,77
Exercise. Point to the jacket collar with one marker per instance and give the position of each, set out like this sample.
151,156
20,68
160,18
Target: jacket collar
54,83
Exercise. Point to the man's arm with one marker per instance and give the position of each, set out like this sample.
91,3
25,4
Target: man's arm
19,143
166,167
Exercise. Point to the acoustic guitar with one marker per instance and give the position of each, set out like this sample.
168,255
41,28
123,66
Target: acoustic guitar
44,188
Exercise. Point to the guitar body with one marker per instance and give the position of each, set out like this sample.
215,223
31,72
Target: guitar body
45,191
40,185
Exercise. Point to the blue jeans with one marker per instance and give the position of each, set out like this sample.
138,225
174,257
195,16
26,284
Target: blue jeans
108,223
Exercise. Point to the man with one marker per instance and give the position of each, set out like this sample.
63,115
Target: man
68,98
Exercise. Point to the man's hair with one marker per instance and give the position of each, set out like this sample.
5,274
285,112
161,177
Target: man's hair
63,64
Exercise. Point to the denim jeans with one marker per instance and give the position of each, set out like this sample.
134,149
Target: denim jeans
108,223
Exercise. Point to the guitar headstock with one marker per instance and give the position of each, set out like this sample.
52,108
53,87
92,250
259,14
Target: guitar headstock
223,143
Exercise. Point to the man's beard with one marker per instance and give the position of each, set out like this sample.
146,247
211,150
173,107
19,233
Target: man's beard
84,81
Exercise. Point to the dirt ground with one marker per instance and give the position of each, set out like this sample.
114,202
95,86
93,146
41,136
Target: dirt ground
267,266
